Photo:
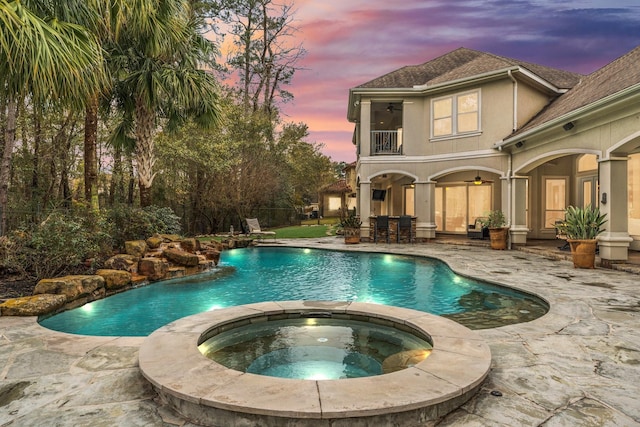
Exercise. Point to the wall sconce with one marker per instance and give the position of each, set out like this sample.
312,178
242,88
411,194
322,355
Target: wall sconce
519,144
603,200
568,126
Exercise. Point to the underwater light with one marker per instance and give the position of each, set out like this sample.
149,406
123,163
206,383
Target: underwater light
317,376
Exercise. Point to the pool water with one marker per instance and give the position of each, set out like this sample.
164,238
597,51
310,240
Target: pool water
260,274
314,348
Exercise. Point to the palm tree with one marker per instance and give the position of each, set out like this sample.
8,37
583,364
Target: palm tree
45,60
158,54
90,14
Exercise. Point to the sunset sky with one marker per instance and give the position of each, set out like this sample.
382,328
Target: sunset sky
350,42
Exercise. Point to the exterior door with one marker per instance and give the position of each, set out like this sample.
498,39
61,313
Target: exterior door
456,205
588,191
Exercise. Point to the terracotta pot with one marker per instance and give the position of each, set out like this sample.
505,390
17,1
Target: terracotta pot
498,237
351,236
583,253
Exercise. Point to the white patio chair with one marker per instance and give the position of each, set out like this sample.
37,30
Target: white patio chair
254,229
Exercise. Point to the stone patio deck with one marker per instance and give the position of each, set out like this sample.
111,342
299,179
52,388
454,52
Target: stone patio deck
579,365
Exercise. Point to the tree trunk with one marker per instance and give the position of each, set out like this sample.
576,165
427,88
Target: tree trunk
37,139
145,157
131,182
90,159
5,163
116,186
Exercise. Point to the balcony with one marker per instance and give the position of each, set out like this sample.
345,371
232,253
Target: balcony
386,142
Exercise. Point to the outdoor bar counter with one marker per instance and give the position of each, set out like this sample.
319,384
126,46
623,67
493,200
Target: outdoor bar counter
395,235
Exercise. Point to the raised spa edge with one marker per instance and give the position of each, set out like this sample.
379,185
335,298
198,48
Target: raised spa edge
208,393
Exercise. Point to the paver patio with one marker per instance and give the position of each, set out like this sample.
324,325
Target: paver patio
579,365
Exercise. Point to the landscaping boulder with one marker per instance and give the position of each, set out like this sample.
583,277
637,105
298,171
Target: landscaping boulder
180,257
154,242
169,237
153,268
73,287
115,279
190,245
35,305
211,255
135,248
122,262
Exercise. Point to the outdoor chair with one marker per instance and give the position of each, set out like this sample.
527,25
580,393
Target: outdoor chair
254,229
561,236
404,224
382,225
477,230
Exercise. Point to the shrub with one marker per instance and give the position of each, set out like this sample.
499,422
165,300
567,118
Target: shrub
124,223
57,246
163,220
63,242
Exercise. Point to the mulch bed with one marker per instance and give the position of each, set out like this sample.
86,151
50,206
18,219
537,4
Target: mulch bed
15,287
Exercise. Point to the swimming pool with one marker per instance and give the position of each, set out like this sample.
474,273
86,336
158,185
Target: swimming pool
260,274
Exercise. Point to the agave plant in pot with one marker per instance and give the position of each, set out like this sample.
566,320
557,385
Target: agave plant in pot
581,226
498,232
350,224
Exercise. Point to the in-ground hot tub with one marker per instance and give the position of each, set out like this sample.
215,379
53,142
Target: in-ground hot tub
416,390
317,346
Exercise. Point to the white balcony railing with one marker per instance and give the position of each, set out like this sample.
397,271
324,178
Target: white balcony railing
386,142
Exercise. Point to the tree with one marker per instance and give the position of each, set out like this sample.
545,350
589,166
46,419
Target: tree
265,56
158,53
308,169
44,59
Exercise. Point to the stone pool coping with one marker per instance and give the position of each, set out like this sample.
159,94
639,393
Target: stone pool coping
209,393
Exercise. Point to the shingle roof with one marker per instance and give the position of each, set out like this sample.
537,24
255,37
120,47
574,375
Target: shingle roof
464,63
339,186
614,77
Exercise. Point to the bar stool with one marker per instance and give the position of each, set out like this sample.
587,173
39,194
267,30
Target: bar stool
404,223
382,223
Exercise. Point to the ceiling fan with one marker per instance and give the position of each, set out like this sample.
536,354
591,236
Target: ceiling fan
479,181
391,108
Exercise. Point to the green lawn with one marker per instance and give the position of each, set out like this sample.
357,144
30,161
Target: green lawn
321,221
305,231
327,228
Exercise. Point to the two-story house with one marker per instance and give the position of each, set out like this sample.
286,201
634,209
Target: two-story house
469,132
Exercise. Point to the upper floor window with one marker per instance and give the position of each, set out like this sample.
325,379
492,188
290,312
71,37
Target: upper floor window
455,114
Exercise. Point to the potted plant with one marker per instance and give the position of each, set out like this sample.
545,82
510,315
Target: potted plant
350,227
498,232
581,226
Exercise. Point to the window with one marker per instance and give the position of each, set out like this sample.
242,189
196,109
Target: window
555,200
409,200
588,162
335,203
456,114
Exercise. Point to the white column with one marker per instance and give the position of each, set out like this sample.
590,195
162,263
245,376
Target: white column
364,208
614,241
365,129
518,213
425,193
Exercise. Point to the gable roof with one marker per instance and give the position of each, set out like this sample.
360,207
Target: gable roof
465,63
613,78
339,186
